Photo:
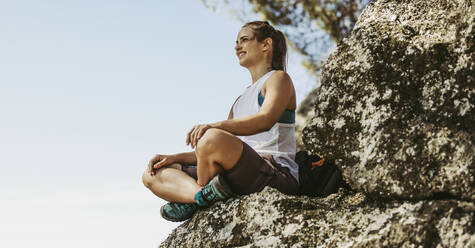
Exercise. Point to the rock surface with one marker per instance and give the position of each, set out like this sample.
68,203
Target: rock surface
345,219
396,105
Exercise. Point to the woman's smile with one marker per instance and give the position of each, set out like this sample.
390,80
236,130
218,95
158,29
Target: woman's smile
240,54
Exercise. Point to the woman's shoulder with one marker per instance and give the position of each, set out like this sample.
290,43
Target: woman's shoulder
280,74
278,77
282,80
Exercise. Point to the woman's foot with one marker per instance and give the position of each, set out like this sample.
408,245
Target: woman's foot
216,190
176,211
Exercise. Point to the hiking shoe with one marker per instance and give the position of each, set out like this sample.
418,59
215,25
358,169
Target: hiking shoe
216,190
176,211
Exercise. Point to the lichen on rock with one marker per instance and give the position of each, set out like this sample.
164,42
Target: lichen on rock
345,219
395,109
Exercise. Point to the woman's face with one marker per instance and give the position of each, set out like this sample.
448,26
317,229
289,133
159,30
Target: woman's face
248,50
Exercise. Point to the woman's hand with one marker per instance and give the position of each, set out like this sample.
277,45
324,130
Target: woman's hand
159,161
196,133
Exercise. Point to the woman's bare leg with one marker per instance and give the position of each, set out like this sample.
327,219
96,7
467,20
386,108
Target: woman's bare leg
215,151
172,184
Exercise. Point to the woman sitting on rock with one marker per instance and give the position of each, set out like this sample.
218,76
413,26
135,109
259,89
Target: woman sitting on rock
255,147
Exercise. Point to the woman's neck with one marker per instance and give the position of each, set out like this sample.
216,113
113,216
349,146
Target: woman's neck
258,71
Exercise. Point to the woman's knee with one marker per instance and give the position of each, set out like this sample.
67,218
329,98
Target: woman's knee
159,176
147,178
150,180
210,140
221,147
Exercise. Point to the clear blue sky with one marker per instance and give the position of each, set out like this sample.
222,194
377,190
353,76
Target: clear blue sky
89,92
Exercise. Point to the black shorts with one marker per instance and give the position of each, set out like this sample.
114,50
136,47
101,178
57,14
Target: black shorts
253,172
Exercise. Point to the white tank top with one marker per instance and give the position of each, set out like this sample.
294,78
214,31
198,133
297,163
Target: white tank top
279,141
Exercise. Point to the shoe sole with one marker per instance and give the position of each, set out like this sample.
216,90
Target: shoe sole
168,218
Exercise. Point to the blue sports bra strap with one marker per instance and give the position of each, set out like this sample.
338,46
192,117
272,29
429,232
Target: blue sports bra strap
288,117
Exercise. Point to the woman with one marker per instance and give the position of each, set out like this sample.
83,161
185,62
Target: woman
253,148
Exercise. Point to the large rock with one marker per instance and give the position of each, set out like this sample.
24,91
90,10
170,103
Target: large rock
396,104
345,219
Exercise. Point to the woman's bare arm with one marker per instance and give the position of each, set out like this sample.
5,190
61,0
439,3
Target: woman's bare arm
279,91
161,160
278,95
187,157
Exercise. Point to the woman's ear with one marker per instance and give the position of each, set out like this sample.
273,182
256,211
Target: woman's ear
267,44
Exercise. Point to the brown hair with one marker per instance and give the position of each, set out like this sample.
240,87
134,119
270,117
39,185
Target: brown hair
263,30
